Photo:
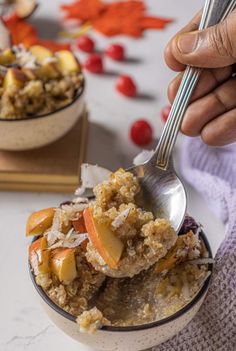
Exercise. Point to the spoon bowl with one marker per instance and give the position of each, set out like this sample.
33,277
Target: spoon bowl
162,192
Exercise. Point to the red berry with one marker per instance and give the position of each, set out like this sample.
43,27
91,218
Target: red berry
141,132
165,113
94,64
126,86
85,43
115,52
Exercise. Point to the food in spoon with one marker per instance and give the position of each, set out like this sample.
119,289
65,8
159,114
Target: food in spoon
110,262
37,81
141,239
108,245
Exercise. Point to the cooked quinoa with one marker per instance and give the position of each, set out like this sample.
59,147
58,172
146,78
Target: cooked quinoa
97,300
157,274
75,296
145,238
35,90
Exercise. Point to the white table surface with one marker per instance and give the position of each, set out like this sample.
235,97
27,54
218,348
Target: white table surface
23,324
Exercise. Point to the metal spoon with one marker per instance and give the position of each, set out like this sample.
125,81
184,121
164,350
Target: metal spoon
162,191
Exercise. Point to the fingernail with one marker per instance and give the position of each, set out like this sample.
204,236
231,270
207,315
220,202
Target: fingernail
187,43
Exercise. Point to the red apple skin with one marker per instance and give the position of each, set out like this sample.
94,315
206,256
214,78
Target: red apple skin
79,225
39,256
104,240
38,222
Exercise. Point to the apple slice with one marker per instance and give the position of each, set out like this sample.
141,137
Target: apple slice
14,79
79,225
63,264
103,239
40,53
7,57
178,253
30,74
25,8
67,62
39,256
39,221
48,71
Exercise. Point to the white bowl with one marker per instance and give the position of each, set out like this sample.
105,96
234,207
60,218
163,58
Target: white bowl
126,338
38,131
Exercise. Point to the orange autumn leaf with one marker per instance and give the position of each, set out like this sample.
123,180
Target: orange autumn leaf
52,45
149,22
120,17
84,10
24,33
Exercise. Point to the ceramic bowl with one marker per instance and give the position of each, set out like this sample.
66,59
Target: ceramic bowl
38,131
135,338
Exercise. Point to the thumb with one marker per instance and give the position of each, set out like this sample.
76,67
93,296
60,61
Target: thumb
213,47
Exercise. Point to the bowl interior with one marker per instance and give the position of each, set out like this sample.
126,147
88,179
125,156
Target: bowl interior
179,313
76,98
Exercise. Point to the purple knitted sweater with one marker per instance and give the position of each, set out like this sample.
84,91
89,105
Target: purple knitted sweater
212,171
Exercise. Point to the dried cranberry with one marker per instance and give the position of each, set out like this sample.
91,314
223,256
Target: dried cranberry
189,224
85,43
126,86
115,52
94,64
165,113
141,132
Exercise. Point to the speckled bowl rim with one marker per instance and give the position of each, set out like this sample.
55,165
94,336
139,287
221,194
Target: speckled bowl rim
79,93
155,324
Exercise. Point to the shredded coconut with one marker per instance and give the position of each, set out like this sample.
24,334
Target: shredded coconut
49,60
142,157
72,212
202,261
71,240
81,200
121,218
54,233
91,175
24,58
186,291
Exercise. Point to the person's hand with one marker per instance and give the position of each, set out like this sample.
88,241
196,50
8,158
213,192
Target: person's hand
212,112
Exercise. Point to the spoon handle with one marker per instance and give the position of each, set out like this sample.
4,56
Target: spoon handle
214,12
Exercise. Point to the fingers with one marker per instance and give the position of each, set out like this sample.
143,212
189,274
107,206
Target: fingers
213,47
206,109
221,131
208,81
170,59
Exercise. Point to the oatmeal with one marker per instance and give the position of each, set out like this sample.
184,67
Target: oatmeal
110,262
36,81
